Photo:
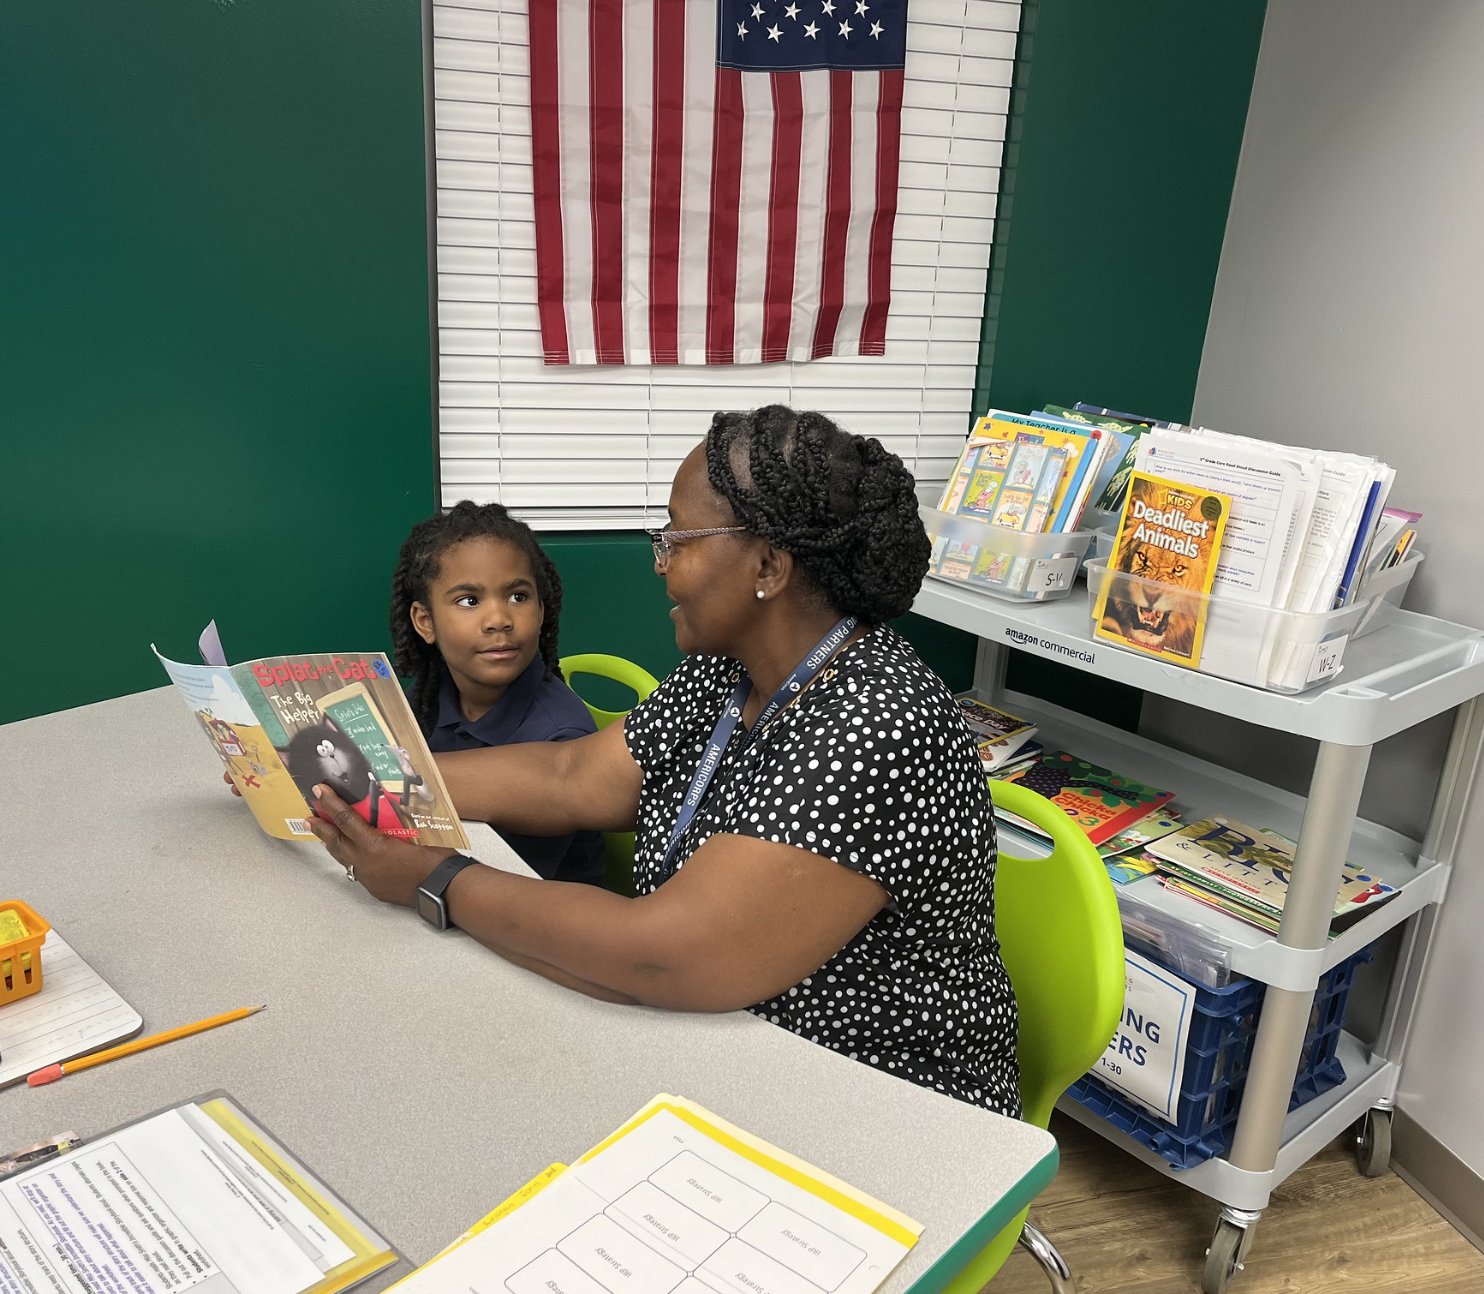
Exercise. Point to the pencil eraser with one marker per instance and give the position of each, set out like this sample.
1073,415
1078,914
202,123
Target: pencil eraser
48,1075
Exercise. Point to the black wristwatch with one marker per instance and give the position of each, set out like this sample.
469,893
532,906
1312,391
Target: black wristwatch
429,901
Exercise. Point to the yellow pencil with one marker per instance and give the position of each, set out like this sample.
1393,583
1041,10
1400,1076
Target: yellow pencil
53,1072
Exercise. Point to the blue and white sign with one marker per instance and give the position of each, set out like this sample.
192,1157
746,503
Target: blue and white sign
1146,1059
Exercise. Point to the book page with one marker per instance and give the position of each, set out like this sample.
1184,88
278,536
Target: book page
679,1203
192,1197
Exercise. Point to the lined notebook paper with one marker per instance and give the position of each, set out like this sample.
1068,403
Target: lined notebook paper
75,1013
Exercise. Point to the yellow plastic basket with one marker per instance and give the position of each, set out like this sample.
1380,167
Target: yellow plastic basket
20,958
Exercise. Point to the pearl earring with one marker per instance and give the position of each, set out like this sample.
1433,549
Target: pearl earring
761,594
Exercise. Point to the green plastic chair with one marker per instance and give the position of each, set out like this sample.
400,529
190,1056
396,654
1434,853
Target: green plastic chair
618,852
1062,943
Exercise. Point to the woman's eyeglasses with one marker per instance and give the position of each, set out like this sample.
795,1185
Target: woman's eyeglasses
664,540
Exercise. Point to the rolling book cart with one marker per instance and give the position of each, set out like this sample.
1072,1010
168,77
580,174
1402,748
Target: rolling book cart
1409,670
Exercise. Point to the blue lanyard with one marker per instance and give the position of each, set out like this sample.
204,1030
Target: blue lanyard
721,735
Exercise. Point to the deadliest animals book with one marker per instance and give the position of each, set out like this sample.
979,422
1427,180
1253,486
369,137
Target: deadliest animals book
284,724
1168,541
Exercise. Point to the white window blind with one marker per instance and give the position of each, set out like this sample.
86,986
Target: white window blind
597,447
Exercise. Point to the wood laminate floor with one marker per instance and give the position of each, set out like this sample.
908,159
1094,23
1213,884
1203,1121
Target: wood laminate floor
1124,1229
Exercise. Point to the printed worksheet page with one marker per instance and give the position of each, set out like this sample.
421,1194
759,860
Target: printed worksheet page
179,1201
675,1204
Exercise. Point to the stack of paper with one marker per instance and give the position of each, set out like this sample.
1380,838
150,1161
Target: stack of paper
678,1200
1300,524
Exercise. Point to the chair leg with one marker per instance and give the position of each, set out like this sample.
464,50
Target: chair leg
1052,1263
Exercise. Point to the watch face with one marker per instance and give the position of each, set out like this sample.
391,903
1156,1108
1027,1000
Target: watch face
431,910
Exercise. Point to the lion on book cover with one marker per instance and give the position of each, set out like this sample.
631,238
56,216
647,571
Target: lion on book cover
1158,609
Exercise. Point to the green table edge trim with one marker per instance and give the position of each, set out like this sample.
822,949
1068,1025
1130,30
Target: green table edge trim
973,1241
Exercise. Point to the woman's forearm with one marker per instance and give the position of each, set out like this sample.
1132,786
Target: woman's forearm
590,939
547,788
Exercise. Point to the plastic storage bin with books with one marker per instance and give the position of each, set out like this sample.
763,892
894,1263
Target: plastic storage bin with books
1266,647
1010,564
1009,519
1218,1051
1250,560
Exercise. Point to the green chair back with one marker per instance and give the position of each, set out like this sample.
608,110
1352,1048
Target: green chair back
618,852
1062,943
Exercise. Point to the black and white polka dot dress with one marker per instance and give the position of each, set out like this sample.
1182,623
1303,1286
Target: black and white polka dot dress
870,767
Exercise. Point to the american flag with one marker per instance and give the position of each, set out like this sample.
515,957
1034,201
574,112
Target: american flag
715,180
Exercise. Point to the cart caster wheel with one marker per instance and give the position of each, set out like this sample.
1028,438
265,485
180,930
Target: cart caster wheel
1373,1143
1224,1256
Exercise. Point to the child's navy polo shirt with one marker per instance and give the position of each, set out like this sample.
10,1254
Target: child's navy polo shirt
534,708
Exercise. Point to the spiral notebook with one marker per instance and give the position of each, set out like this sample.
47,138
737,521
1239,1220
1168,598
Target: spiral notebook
74,1013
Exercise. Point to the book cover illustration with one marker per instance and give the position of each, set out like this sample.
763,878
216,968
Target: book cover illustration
997,734
1101,802
1080,443
284,724
1168,540
1240,868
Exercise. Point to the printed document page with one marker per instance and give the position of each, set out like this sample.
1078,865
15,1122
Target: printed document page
679,1203
195,1198
1265,489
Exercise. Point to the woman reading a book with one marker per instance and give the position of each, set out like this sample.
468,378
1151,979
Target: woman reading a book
814,836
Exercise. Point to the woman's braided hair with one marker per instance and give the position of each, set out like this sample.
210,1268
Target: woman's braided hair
843,505
417,568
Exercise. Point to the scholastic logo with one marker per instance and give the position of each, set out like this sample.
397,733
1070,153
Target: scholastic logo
1045,644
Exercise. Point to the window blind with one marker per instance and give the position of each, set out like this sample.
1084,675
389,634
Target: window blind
596,448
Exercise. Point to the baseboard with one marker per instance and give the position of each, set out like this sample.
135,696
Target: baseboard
1439,1176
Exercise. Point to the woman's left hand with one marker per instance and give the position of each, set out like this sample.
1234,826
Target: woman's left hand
390,869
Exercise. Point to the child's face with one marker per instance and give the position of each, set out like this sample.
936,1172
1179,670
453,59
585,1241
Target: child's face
484,615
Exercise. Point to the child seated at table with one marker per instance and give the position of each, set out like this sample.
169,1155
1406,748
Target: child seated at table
474,615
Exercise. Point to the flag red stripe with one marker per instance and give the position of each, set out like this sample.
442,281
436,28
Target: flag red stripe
726,197
888,154
783,214
666,165
605,115
836,218
546,183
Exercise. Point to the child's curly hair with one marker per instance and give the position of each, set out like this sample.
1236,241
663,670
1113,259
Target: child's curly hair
417,568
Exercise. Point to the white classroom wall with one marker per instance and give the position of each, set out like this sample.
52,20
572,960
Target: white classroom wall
1349,314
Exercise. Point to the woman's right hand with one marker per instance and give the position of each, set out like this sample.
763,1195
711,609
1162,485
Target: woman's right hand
227,778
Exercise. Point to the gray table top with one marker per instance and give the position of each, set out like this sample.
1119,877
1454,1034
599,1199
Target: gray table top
423,1077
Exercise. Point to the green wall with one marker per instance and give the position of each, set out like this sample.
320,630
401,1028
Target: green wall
1126,122
214,359
214,351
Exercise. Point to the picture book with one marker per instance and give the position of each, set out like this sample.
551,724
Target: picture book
1098,800
998,735
1123,868
988,466
1114,485
1083,444
1138,834
1244,869
284,724
1169,539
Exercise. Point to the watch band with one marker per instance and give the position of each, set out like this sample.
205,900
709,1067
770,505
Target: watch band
429,902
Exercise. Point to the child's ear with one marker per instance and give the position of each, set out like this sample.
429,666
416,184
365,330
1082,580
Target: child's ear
422,622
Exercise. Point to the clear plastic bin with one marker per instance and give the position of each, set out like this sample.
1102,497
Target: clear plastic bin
1007,564
1384,592
1280,651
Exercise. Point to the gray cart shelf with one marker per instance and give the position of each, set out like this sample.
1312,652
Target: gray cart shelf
1409,671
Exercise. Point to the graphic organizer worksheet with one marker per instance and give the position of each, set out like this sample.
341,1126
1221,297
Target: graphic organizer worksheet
679,1204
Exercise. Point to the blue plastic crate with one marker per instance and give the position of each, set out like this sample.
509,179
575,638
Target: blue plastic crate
1223,1029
